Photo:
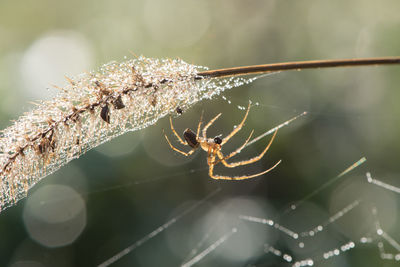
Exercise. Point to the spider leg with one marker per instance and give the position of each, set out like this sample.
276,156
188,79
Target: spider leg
177,150
210,159
221,177
245,162
176,134
237,129
223,158
208,125
200,122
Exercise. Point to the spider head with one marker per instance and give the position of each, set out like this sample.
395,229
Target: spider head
217,140
191,138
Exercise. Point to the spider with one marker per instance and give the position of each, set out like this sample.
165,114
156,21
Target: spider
213,147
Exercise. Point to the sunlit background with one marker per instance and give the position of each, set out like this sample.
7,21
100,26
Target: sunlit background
121,191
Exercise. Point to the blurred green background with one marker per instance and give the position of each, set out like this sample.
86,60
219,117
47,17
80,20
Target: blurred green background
116,194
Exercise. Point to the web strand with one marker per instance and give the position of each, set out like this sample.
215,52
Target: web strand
327,184
271,131
210,249
382,184
313,230
157,231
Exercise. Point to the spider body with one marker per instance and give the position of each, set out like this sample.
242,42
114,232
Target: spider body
213,147
217,140
207,144
191,138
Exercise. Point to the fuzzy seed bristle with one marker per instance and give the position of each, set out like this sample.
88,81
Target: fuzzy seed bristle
128,96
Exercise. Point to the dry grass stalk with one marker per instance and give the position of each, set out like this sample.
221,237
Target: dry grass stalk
98,106
92,109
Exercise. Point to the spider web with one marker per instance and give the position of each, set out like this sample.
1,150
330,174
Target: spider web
212,241
210,244
247,232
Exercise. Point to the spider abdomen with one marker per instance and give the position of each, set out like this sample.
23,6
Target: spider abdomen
190,138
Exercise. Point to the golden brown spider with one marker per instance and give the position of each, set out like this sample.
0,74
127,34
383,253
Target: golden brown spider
213,147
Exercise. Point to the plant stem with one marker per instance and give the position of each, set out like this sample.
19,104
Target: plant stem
297,65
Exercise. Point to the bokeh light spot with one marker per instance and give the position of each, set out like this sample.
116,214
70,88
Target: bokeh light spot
50,58
55,215
181,27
